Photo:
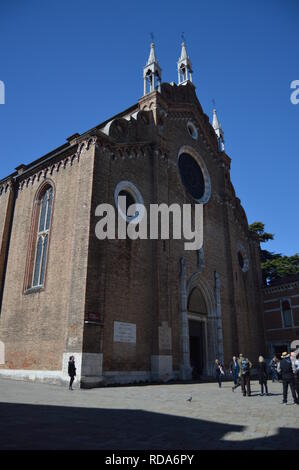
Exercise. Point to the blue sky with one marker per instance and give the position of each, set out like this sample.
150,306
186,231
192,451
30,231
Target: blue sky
69,65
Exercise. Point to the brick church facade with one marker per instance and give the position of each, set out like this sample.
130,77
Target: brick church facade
128,310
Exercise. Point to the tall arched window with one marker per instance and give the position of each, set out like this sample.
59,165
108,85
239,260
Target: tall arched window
41,225
287,316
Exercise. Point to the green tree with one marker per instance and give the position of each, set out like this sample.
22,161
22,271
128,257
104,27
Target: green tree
259,229
280,266
274,265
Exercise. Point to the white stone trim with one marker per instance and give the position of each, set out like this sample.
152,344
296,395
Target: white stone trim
161,367
88,369
78,363
126,377
136,194
47,376
197,316
192,130
87,365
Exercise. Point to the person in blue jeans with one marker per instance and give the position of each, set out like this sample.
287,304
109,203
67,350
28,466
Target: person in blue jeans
234,370
219,371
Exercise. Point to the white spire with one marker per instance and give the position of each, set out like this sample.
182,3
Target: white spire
184,55
218,131
152,55
152,73
184,65
215,124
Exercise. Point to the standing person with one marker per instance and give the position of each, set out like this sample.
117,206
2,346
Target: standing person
234,370
273,367
295,364
244,374
285,366
262,375
297,376
71,371
219,372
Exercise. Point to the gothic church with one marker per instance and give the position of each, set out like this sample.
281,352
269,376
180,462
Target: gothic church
128,310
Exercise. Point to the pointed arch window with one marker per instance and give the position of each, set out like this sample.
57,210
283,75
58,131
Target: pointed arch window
42,238
287,316
40,233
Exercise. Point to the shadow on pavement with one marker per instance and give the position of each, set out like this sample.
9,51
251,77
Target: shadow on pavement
55,427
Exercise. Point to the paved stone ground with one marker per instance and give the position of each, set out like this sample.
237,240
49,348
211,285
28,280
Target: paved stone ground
40,416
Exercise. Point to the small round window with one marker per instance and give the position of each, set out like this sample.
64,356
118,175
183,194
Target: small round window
127,195
192,130
240,259
192,176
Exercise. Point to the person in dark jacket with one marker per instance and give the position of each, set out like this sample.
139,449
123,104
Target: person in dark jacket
219,371
262,375
71,371
285,367
234,370
273,367
297,376
295,364
244,374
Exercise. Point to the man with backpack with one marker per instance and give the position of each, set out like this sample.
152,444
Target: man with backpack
244,374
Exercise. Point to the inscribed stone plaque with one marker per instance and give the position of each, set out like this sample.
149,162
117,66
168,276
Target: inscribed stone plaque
124,332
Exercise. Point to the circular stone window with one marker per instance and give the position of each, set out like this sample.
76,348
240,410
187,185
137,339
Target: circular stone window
130,195
194,177
240,259
192,130
243,260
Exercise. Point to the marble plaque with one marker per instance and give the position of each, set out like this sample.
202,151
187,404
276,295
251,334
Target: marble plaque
124,332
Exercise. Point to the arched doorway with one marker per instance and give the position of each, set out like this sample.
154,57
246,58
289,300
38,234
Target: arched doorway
197,322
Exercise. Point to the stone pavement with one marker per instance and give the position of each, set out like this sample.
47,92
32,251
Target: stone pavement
41,416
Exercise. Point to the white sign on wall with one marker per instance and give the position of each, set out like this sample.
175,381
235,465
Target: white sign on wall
124,332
